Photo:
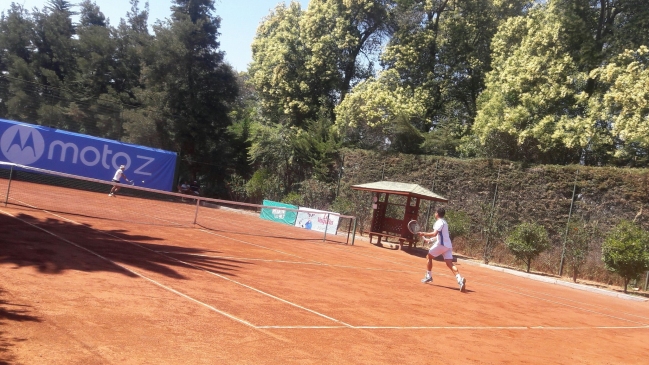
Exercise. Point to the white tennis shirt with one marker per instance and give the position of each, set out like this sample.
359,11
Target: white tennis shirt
118,175
443,237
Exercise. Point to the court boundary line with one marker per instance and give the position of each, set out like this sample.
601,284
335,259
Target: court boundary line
349,326
172,290
190,265
477,281
306,263
472,328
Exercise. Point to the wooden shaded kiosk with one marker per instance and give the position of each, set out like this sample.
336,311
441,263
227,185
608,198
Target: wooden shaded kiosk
406,210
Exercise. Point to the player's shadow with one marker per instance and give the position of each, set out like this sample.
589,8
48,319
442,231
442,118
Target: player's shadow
53,246
422,252
11,312
454,288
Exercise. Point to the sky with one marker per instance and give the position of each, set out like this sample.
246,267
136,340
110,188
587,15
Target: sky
239,20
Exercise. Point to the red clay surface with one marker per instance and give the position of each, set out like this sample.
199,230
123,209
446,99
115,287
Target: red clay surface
75,289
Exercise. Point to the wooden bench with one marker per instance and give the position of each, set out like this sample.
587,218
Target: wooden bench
381,235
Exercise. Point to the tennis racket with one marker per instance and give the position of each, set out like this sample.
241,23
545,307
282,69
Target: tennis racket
413,227
131,182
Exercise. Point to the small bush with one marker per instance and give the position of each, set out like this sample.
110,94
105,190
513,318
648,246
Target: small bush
527,241
459,224
626,251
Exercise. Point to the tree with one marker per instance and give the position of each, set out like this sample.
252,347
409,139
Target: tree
441,48
542,100
624,105
526,241
369,114
192,87
578,245
16,35
626,251
533,88
306,60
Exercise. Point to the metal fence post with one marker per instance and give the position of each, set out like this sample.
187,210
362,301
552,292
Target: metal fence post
198,201
354,231
565,237
349,228
430,202
491,215
646,281
326,227
11,173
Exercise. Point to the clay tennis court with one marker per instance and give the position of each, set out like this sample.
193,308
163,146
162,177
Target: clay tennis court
76,289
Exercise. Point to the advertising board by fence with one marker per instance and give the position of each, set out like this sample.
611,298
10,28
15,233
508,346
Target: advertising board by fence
278,215
83,155
316,220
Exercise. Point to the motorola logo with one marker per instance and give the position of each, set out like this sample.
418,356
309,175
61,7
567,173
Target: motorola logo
22,144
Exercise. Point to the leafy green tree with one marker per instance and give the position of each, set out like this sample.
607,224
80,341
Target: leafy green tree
626,251
533,88
16,34
578,245
543,100
624,105
371,114
442,49
188,81
526,241
304,60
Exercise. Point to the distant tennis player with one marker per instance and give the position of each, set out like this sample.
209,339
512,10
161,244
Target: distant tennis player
442,247
119,174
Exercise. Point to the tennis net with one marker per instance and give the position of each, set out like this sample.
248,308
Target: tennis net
33,188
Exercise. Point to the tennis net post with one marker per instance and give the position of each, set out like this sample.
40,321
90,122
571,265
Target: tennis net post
11,172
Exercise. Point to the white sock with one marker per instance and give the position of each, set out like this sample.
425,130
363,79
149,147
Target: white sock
428,274
458,277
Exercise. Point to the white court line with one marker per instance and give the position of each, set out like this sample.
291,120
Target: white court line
472,328
133,271
284,261
196,267
256,245
348,325
477,281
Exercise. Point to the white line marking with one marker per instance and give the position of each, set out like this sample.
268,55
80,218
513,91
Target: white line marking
283,261
196,267
471,328
253,244
643,325
132,271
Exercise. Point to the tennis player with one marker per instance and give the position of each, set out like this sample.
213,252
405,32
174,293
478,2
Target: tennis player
442,246
119,174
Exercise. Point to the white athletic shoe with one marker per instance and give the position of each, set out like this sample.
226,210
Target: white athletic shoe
427,279
111,194
462,283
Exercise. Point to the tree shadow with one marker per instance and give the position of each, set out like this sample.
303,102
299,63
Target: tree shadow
12,312
70,246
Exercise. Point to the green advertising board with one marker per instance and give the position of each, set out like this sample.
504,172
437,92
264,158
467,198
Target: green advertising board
279,215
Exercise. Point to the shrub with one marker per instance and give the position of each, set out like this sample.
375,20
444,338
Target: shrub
459,223
578,246
626,251
527,241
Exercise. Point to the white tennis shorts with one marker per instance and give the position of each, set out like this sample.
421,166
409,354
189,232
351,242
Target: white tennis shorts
438,249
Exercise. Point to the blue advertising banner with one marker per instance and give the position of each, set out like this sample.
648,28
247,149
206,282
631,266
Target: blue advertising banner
79,154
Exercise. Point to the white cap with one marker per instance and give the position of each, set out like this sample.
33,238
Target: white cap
122,167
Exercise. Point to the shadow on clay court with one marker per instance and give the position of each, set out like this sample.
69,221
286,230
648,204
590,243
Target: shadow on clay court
26,246
453,288
11,312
